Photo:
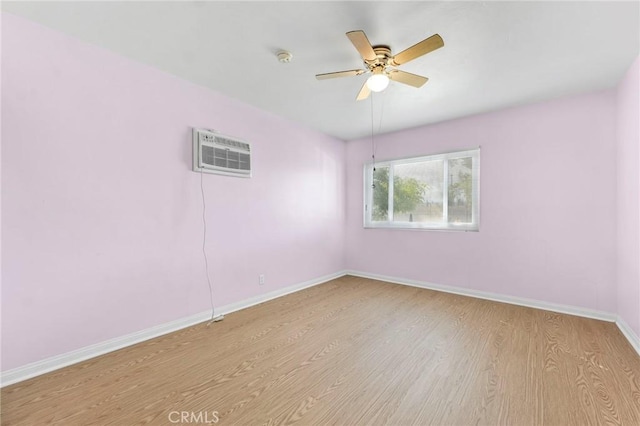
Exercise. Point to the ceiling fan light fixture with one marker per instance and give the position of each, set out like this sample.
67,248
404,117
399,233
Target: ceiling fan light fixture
378,82
379,61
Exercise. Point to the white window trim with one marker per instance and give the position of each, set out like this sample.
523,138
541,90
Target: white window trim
445,226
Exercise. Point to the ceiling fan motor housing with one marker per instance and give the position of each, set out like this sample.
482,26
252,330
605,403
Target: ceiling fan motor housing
382,60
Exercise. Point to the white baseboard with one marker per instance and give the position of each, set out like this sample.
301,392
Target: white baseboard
56,362
521,301
629,334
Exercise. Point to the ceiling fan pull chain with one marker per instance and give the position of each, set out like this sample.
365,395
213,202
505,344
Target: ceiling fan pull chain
373,150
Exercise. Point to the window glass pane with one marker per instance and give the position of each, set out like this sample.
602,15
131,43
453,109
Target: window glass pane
437,191
380,197
418,191
460,204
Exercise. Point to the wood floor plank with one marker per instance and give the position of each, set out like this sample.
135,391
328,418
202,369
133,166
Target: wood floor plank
354,351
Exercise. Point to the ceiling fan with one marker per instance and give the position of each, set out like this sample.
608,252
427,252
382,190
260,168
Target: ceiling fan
379,62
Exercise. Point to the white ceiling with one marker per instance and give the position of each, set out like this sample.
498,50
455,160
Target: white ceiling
496,54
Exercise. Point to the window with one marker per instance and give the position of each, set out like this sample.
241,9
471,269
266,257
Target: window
433,192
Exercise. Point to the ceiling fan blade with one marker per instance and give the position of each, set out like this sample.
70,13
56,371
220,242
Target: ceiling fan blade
361,42
407,78
425,46
339,74
364,92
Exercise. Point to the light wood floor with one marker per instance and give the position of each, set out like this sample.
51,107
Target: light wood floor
354,351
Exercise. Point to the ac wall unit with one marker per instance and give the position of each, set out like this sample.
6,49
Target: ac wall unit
216,153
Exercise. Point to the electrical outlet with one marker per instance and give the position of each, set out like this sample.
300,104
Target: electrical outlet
261,279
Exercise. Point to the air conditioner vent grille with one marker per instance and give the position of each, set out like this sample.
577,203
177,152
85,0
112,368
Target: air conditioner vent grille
231,143
226,158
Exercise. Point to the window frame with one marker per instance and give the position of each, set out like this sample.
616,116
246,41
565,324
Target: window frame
474,226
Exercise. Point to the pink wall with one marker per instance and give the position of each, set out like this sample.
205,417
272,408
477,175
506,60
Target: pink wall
102,228
547,211
1,365
628,208
101,215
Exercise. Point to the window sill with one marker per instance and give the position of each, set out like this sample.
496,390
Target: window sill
408,227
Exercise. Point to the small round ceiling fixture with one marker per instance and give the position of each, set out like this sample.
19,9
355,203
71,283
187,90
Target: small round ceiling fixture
284,56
